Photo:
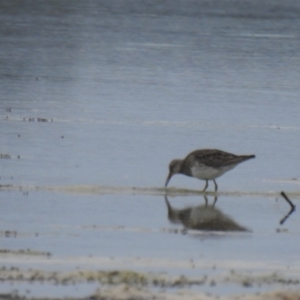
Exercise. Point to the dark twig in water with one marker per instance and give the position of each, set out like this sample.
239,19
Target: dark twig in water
288,200
293,207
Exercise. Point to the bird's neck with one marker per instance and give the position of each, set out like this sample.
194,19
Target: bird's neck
178,166
184,168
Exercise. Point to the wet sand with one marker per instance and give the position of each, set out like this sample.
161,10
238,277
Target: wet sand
127,284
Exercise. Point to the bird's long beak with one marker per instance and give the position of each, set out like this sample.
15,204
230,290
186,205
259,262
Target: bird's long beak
168,179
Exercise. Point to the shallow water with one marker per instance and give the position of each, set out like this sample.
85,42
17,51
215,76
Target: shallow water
98,97
121,232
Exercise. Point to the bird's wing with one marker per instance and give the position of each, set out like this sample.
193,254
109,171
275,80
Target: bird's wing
214,158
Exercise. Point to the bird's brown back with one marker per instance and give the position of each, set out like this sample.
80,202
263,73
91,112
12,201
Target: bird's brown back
215,158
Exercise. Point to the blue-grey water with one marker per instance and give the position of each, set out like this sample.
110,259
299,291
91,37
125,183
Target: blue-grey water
107,93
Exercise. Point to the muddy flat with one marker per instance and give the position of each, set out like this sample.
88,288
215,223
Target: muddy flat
97,98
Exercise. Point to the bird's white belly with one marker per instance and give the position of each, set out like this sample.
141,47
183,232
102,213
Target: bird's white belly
209,173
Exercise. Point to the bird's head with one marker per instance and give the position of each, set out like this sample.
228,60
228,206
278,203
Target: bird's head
174,168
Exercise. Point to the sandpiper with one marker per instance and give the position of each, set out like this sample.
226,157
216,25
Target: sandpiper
206,164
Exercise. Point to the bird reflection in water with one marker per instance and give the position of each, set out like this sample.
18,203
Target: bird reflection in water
203,217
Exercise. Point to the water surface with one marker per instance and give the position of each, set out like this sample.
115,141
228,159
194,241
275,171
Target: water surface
98,97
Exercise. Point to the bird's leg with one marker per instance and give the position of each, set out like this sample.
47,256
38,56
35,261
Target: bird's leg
206,201
206,185
215,201
216,186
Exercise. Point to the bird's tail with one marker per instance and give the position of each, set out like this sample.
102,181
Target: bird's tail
242,158
246,157
239,159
